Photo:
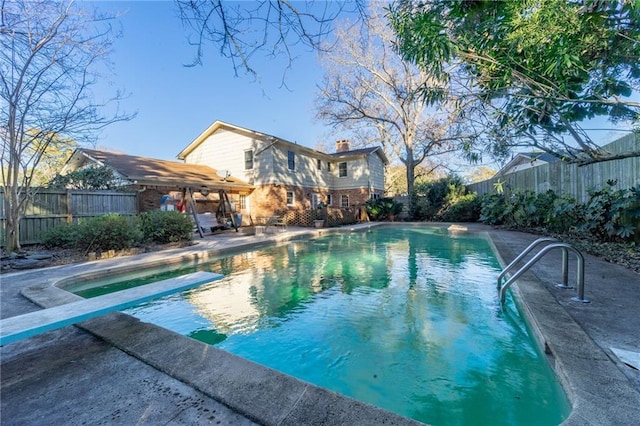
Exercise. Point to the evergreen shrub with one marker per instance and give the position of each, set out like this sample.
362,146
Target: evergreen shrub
164,227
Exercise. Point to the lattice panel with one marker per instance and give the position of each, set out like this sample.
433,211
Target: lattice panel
335,216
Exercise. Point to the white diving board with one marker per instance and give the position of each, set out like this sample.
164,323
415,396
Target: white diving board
20,327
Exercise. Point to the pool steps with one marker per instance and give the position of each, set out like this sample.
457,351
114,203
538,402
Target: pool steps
20,327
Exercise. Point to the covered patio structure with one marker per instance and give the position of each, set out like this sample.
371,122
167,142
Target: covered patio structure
172,185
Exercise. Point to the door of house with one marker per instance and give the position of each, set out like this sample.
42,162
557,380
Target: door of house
315,200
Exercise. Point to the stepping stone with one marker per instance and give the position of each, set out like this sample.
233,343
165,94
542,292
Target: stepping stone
26,263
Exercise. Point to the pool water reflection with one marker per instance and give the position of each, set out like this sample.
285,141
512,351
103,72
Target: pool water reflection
407,319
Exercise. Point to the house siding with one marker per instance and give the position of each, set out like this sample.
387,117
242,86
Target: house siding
362,173
357,174
306,171
224,150
376,171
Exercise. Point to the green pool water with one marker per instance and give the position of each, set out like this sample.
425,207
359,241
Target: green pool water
407,319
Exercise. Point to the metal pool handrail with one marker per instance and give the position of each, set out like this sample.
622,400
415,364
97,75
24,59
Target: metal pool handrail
566,247
521,256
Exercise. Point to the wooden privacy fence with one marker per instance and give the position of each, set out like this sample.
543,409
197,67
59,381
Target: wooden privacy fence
571,179
50,208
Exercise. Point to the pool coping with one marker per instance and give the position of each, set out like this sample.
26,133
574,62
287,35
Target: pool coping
599,393
20,327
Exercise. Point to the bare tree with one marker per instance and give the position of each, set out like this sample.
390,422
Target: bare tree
372,92
241,29
51,54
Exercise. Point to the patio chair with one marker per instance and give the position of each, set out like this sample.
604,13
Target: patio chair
281,223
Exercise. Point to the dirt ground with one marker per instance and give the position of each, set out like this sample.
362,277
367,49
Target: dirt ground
35,257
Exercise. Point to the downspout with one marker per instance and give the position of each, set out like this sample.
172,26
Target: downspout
369,177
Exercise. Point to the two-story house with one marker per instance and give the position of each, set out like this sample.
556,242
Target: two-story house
285,175
261,174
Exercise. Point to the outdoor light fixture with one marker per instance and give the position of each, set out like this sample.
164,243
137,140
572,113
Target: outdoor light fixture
204,191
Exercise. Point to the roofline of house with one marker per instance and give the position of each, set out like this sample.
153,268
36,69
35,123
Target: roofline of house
268,138
221,124
348,154
175,182
81,152
515,159
76,152
511,163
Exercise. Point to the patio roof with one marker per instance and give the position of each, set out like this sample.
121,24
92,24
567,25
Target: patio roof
146,171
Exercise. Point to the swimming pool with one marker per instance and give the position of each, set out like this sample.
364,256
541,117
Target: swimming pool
404,318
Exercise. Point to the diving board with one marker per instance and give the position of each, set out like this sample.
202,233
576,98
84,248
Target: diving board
22,326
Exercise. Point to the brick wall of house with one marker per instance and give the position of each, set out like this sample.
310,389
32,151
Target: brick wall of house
333,216
149,199
271,200
357,197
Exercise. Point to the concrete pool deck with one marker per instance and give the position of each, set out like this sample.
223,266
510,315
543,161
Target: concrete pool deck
115,369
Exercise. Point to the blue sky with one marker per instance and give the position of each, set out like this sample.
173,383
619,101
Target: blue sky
175,103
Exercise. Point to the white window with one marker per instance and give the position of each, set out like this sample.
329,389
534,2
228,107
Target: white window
375,196
242,202
329,200
319,164
344,200
342,169
290,198
315,200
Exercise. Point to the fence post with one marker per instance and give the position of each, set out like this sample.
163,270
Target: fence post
68,205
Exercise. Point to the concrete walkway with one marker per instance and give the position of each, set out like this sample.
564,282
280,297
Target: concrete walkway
117,370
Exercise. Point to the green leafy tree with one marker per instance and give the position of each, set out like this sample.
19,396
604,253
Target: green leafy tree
480,174
396,176
94,177
533,69
446,198
53,160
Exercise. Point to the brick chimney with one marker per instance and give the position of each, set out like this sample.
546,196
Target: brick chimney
342,145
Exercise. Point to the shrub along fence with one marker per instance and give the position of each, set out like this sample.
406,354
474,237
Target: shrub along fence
571,179
50,208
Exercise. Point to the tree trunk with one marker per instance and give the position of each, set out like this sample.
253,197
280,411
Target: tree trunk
12,219
410,182
411,175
